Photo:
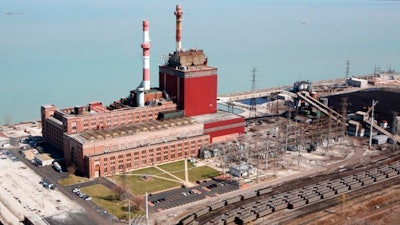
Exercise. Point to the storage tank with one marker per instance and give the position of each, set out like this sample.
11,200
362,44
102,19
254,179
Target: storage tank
140,96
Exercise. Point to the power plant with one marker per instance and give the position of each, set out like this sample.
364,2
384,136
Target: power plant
150,126
253,157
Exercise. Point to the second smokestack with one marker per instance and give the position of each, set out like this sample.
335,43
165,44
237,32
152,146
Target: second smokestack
146,56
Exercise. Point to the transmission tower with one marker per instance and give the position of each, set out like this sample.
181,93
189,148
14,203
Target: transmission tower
253,103
377,70
347,68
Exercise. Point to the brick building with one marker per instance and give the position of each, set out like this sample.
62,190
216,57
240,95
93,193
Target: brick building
114,150
150,126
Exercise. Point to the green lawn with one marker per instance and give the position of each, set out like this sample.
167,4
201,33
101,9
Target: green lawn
175,166
72,179
106,198
198,173
151,171
139,186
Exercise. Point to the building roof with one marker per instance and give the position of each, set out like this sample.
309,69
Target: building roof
242,167
215,117
133,129
44,157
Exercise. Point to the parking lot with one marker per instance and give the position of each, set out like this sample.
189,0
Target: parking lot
181,196
25,193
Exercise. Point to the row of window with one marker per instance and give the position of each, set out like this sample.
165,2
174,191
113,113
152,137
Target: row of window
143,158
127,118
230,126
149,141
54,135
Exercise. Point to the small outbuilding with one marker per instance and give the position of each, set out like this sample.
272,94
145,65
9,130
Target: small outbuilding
380,139
29,154
356,82
242,170
44,159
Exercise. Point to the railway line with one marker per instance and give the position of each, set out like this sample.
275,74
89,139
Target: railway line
278,204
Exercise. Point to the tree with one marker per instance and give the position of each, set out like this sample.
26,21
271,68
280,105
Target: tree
137,202
71,168
119,193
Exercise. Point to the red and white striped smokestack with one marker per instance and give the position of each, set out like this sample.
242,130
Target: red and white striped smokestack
146,56
178,13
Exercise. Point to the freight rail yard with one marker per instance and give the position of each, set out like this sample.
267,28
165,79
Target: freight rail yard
277,204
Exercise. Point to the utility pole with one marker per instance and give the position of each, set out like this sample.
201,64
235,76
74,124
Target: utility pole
147,210
328,134
394,129
372,123
129,211
344,105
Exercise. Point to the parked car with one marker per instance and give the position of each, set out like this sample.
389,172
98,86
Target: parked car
52,186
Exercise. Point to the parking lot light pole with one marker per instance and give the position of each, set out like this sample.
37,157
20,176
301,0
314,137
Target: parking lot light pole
147,210
104,213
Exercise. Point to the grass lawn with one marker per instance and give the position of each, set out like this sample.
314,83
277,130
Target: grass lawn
151,171
175,166
139,186
198,173
72,179
106,198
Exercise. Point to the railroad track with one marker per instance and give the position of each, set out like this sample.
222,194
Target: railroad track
313,193
288,216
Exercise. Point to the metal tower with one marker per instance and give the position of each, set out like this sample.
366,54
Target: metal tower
253,103
347,68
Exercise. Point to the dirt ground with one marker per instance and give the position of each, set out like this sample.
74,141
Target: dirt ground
379,208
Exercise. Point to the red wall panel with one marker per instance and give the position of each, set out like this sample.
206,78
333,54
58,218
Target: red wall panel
200,95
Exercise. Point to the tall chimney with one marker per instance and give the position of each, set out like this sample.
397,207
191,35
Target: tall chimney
146,56
178,13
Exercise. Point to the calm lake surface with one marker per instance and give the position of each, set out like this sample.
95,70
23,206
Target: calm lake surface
73,52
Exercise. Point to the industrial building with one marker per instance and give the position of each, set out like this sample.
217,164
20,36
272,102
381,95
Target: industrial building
356,82
151,125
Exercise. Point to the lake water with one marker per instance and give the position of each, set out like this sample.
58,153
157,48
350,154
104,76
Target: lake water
71,52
